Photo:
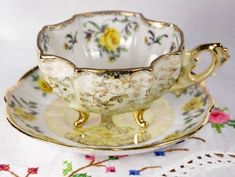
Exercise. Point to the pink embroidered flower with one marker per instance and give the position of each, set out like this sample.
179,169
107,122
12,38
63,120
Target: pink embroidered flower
218,117
4,167
111,169
90,157
32,170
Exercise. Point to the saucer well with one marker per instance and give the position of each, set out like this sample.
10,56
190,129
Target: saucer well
34,110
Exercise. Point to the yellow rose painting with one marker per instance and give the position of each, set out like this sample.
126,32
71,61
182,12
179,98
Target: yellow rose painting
110,37
173,136
23,114
23,109
110,40
41,83
193,103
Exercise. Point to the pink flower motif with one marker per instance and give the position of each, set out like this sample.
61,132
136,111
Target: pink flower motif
111,169
4,167
32,170
218,117
90,157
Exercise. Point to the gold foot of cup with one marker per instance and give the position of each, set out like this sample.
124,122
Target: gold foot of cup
82,119
139,118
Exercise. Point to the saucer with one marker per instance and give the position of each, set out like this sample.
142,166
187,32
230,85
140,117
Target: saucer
34,110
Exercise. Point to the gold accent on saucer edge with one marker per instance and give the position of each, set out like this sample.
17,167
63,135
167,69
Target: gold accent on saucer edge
112,149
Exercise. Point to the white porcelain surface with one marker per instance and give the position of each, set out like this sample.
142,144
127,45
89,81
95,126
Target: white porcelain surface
110,40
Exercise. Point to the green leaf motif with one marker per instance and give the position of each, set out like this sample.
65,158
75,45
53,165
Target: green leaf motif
12,104
68,168
197,115
92,23
188,121
199,93
82,175
124,20
231,123
32,103
189,126
159,38
122,49
218,127
224,109
103,27
113,158
35,77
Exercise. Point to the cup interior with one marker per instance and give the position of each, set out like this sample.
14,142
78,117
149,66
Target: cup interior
111,40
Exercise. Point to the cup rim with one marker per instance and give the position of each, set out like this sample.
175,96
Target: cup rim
43,56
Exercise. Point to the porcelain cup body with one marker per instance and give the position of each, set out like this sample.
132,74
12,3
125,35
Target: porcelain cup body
112,62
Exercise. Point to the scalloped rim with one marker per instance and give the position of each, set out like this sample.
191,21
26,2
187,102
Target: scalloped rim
43,56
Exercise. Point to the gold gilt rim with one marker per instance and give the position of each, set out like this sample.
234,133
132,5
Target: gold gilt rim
155,23
111,149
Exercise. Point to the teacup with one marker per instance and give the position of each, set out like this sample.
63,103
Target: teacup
112,62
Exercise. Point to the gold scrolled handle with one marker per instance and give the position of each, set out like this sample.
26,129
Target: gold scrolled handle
219,55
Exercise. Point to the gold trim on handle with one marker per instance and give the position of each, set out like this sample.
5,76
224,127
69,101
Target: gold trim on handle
219,55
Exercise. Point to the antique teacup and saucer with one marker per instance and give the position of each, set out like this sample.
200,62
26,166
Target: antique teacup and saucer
108,69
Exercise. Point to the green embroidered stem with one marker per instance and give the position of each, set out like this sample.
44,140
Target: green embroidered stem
79,169
97,164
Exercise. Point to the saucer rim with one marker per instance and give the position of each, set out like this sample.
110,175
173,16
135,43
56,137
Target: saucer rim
49,140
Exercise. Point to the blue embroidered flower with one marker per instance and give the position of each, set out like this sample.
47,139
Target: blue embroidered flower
134,172
159,153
